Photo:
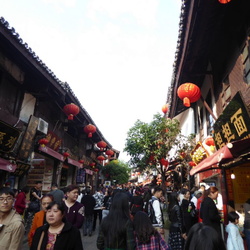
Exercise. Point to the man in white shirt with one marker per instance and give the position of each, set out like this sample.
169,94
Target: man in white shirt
158,224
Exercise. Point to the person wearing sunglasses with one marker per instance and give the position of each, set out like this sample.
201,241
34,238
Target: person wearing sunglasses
11,223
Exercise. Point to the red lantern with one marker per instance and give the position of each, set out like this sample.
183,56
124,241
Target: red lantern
189,93
89,129
102,145
92,164
66,154
43,142
165,108
70,110
96,170
224,1
81,161
101,158
164,162
210,141
192,164
109,153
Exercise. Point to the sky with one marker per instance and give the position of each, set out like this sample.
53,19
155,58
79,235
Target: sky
116,55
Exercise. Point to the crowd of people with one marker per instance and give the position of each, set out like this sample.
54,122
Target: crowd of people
129,218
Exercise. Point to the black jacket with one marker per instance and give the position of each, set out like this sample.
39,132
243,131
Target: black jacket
68,239
210,215
89,203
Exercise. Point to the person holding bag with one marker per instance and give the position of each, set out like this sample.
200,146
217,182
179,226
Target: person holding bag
57,234
146,236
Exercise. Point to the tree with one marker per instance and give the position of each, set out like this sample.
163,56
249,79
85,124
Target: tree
149,144
116,170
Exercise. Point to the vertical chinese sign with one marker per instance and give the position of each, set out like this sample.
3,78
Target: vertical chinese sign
233,124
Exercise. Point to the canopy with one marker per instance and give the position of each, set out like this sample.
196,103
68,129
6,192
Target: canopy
7,166
230,151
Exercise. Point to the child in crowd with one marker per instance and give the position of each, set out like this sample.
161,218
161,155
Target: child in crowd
146,236
234,240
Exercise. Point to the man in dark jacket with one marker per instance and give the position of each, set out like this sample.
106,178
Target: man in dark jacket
89,203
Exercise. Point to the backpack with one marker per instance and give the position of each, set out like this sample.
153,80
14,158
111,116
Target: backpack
151,212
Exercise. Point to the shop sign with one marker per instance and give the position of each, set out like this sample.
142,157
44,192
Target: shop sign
8,137
21,169
199,153
54,141
233,124
28,138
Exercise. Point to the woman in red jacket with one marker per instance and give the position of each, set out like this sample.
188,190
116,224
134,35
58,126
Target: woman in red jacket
39,218
20,203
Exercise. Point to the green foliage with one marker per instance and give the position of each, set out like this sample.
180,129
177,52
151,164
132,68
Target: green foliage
116,170
148,143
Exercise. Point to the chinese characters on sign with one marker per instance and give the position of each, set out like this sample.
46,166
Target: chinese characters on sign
29,135
54,141
233,124
8,137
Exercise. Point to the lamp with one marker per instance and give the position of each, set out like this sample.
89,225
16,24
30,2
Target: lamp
232,175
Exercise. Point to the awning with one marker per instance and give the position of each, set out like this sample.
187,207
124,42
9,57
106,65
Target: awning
7,166
73,162
230,151
51,152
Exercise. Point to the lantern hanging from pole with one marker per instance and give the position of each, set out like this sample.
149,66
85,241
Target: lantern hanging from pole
101,158
224,1
71,110
102,145
109,153
165,108
43,142
189,93
89,129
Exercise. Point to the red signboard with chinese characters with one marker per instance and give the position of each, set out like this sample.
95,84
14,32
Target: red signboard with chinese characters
233,124
54,141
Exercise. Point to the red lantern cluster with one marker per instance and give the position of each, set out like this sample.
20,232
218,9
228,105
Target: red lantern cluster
102,145
189,93
90,129
109,153
43,142
71,110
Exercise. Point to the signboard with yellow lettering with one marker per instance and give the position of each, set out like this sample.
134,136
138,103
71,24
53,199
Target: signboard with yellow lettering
233,124
8,137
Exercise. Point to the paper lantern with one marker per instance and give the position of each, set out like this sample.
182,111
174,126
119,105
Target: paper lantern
66,154
109,153
224,1
101,158
102,145
189,93
164,162
209,141
165,108
71,110
192,164
90,129
92,164
43,142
